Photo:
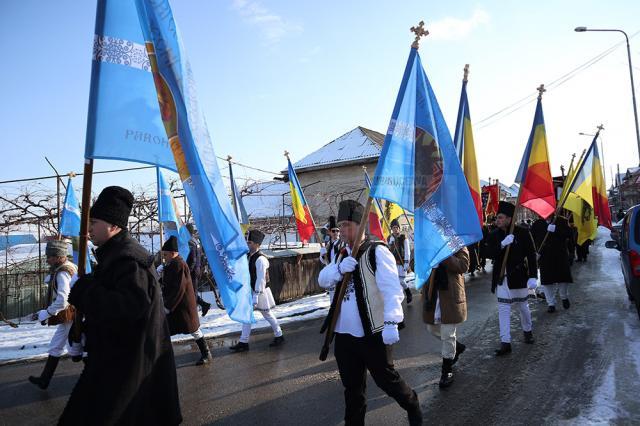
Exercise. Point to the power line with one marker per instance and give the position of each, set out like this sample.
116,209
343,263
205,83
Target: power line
521,103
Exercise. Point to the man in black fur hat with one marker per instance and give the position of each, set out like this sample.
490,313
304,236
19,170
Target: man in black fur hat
332,248
399,247
179,298
521,274
130,374
368,322
262,297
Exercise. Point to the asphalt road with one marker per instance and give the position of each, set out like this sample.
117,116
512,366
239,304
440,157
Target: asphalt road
583,368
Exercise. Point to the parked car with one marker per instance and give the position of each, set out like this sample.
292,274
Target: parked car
615,230
629,246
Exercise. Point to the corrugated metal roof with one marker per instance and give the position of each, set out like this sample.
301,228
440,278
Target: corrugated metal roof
358,144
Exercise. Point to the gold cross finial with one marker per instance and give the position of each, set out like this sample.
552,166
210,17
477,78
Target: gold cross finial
419,31
72,174
466,72
541,90
600,127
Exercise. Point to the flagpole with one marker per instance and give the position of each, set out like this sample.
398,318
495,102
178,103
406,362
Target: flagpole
84,238
233,189
160,226
318,234
336,303
503,267
386,222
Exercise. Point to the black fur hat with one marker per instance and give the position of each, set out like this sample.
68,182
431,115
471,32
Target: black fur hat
113,206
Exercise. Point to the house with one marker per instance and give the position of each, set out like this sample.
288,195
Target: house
335,171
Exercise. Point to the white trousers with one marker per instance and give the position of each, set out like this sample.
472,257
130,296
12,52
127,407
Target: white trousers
447,334
402,275
518,298
60,339
551,290
267,315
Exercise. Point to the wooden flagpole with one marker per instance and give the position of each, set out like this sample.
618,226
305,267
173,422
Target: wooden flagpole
87,179
503,267
315,228
563,199
336,303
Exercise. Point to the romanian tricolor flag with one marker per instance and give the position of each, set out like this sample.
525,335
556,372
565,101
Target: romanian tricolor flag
377,226
588,184
465,148
534,176
300,207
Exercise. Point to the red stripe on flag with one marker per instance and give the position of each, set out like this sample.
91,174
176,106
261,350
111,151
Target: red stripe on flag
305,230
601,209
375,228
477,202
537,190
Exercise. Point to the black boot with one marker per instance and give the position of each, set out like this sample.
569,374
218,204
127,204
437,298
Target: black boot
415,417
407,292
459,349
205,355
446,379
528,337
277,341
551,309
240,347
49,368
566,304
505,348
205,306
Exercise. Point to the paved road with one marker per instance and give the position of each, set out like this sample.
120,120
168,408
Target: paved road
583,368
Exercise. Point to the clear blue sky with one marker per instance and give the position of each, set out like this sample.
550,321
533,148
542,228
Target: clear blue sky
276,75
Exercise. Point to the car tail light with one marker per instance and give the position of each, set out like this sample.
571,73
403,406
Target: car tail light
634,260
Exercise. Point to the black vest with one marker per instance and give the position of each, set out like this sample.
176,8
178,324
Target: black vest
252,268
397,248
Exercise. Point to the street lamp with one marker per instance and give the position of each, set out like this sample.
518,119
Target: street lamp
604,173
633,91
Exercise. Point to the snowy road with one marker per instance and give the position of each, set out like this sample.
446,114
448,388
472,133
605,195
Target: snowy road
583,369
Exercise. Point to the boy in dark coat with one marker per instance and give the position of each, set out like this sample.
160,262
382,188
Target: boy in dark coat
520,274
555,268
130,374
180,299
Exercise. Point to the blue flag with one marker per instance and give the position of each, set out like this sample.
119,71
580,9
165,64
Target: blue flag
419,170
124,120
185,126
70,223
171,223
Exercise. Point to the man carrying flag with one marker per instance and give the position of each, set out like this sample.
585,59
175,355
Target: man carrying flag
515,267
521,274
399,246
367,324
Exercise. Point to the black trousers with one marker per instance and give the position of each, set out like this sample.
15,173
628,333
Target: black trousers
356,355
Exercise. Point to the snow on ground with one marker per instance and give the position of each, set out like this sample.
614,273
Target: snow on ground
31,340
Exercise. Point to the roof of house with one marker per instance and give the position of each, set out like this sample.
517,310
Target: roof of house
264,199
356,146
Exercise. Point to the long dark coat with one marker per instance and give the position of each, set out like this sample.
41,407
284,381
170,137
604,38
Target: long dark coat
130,375
521,264
554,255
453,299
179,297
